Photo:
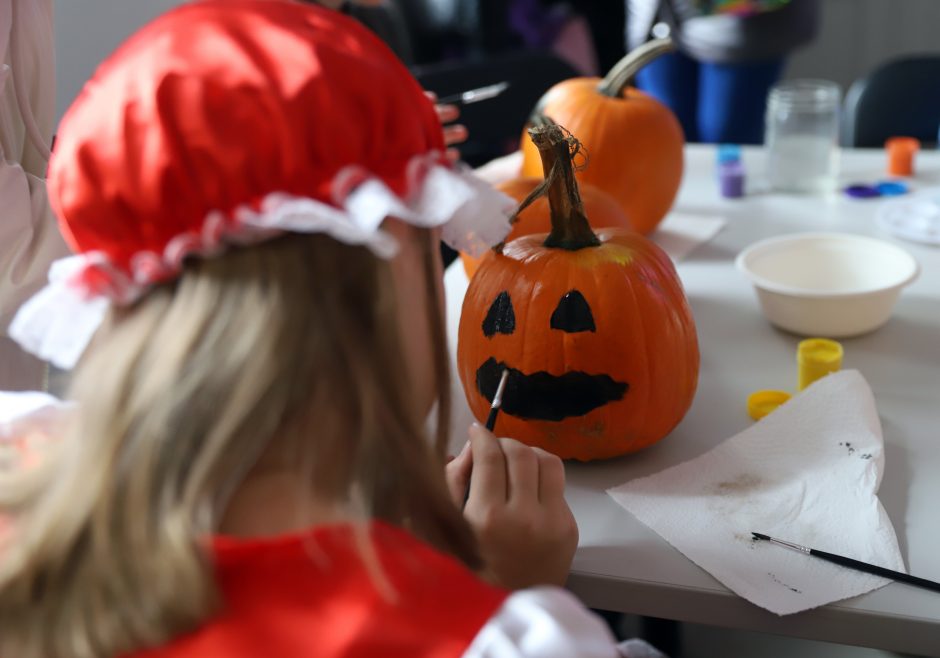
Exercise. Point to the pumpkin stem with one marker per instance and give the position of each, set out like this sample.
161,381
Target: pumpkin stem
625,70
570,228
539,120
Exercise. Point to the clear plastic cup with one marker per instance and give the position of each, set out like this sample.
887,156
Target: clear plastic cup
802,136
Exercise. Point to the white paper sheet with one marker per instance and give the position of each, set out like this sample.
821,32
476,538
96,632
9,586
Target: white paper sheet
807,473
681,233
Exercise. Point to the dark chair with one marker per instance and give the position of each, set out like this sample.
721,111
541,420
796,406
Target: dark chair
495,125
441,29
459,29
901,97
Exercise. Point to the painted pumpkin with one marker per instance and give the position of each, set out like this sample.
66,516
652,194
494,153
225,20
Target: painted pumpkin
602,210
594,330
634,142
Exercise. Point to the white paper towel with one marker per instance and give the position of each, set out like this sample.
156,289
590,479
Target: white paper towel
807,473
680,233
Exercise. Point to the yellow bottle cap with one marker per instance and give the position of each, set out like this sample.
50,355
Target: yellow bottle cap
761,403
816,358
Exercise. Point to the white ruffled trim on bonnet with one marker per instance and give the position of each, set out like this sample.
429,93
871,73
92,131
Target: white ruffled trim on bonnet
58,322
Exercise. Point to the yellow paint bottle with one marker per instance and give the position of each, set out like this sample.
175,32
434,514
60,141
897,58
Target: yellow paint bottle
816,358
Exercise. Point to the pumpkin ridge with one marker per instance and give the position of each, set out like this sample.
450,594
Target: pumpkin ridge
666,271
568,342
533,329
648,368
679,305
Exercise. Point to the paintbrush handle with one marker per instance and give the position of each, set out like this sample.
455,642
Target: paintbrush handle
497,400
490,424
491,418
876,570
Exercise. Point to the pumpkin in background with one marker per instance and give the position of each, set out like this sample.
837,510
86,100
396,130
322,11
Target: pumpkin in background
633,142
600,207
594,329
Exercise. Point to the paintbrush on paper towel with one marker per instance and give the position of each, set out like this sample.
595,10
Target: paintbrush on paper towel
841,560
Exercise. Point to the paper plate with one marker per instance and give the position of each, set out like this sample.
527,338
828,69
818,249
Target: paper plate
915,218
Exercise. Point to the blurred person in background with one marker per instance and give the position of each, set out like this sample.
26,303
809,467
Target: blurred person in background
730,53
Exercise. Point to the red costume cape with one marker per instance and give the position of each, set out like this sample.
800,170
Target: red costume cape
313,596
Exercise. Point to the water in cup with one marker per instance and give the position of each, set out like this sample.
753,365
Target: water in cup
802,136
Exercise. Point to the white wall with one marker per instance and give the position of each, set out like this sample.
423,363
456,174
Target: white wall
87,31
857,35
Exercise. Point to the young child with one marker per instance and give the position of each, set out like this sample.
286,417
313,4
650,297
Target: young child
254,191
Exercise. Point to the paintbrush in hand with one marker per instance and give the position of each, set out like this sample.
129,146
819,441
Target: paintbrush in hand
491,419
497,401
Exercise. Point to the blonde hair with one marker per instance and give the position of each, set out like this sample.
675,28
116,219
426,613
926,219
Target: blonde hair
297,338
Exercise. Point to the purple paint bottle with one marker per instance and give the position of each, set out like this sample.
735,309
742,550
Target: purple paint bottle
731,180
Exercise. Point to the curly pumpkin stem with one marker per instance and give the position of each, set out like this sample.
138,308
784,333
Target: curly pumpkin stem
625,70
570,228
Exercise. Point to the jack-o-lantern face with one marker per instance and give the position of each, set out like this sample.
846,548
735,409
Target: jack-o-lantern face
594,330
541,395
599,343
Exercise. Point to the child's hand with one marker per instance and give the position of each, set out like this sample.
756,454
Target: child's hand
517,508
453,134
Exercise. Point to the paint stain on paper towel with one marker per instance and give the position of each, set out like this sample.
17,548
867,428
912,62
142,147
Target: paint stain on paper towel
851,450
780,582
741,484
747,540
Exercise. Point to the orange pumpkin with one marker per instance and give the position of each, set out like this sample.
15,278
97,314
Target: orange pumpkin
594,330
633,142
602,209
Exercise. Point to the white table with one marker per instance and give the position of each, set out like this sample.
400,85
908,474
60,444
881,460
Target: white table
624,566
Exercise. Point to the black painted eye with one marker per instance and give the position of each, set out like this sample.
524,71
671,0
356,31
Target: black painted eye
500,319
573,314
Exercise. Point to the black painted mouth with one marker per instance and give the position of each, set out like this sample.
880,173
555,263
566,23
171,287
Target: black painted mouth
541,396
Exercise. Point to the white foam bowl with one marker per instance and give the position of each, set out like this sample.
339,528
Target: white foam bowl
827,284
